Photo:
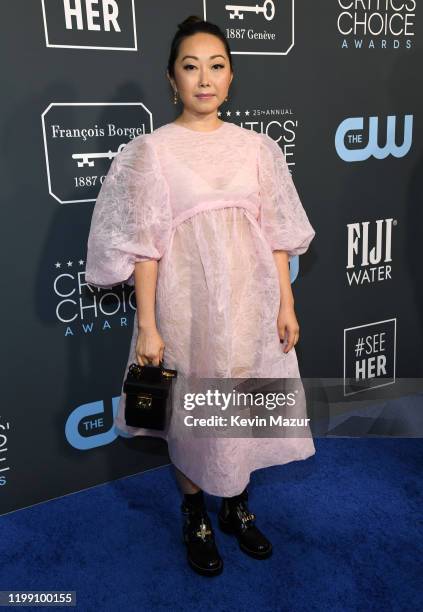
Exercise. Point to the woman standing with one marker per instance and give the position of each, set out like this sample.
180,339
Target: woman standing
201,216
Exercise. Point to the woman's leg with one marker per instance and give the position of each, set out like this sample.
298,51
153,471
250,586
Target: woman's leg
185,484
197,531
235,517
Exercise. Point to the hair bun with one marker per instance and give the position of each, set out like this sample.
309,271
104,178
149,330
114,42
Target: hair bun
189,21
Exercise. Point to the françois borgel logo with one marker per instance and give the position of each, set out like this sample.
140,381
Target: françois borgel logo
90,24
254,27
80,141
386,24
369,356
357,140
369,251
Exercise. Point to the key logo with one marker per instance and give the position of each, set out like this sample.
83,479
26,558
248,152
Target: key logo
254,28
236,11
80,141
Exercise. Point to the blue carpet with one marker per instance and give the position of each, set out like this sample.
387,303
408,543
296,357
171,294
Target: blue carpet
346,525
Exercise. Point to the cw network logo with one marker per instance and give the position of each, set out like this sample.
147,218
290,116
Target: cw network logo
90,419
352,143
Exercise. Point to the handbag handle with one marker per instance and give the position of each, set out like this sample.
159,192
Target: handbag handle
136,369
167,372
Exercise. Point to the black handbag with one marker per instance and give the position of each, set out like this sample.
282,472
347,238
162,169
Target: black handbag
147,390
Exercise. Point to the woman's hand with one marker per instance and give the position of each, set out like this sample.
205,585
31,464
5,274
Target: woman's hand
150,346
288,326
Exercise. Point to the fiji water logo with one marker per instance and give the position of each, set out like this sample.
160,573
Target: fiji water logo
85,425
353,144
369,251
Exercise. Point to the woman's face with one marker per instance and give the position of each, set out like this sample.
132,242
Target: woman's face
202,67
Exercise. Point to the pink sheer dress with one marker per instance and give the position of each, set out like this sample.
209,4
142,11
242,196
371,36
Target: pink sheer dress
210,207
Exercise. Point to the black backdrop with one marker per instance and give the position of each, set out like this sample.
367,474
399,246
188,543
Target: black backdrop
339,94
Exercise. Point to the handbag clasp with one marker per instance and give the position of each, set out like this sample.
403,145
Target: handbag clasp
144,401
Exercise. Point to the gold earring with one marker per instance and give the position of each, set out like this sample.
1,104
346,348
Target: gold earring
175,97
226,99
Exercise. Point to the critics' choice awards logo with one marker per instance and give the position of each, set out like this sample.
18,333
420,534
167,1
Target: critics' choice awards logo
260,27
369,251
357,140
83,309
90,24
281,125
369,356
80,141
371,24
4,449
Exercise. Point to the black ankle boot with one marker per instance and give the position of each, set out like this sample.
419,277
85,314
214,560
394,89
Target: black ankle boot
235,518
198,536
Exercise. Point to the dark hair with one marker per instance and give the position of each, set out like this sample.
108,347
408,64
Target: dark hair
191,25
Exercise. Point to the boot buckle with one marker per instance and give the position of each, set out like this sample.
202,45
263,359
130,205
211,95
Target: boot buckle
246,517
203,531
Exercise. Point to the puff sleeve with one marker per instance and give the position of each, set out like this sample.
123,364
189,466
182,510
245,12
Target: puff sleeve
132,219
282,217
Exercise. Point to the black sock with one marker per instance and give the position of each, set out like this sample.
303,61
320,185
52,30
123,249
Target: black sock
232,501
194,500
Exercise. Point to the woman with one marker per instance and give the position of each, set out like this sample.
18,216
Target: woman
201,216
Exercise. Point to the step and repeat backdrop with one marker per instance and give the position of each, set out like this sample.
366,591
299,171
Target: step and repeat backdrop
337,83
